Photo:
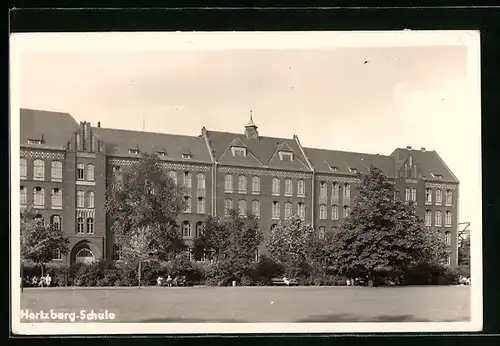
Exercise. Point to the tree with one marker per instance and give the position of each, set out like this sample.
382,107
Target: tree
464,252
146,201
382,233
136,249
40,242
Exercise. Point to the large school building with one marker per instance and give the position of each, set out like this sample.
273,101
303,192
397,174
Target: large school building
64,166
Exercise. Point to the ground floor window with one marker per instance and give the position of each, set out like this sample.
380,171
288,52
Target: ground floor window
85,256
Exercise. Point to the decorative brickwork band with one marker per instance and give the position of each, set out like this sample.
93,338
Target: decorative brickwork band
53,155
338,179
85,213
168,165
259,172
441,186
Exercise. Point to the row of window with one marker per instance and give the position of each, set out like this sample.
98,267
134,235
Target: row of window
200,205
187,178
82,225
439,197
83,200
186,229
242,185
56,170
438,218
323,211
323,190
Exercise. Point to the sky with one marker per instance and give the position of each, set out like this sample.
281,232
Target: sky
362,97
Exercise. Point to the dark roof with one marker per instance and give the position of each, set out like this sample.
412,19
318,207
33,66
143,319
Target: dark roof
428,162
118,143
55,128
344,161
261,152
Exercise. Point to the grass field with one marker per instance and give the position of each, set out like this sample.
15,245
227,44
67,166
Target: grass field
260,304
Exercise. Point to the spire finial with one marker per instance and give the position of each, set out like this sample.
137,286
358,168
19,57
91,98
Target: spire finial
251,123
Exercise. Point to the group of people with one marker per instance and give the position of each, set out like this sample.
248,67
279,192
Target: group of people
160,281
464,281
43,281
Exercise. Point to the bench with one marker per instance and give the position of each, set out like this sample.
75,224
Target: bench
281,282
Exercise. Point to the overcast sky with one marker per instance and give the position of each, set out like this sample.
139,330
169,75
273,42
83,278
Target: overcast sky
357,99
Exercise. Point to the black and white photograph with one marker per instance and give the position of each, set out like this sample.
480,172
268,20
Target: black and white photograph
245,182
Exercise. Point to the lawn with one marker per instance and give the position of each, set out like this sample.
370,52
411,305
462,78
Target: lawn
260,304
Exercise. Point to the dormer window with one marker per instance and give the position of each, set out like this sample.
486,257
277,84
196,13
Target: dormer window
133,151
186,156
161,153
286,156
239,151
333,168
353,170
34,141
437,176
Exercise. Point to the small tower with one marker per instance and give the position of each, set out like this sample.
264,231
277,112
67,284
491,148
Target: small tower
251,129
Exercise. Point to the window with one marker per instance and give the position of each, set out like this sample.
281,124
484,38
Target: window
448,260
322,189
228,183
288,209
90,172
407,194
199,229
80,225
428,196
38,197
242,184
116,252
23,196
173,175
276,210
335,190
34,141
257,255
286,156
276,186
353,170
256,184
256,208
439,218
347,210
447,219
23,171
56,197
321,232
335,212
228,204
347,191
333,168
288,187
439,197
242,207
133,151
414,195
38,170
117,173
449,197
57,255
186,229
322,212
161,153
56,221
187,180
428,218
56,170
301,187
447,236
90,225
90,199
200,177
186,156
187,199
79,171
437,176
301,212
239,151
80,199
200,207
39,218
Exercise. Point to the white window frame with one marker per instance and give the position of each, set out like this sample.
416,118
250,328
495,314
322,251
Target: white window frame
80,199
346,211
200,205
23,195
283,154
276,186
200,179
428,218
189,203
37,197
38,169
275,210
186,229
321,232
335,212
448,218
301,210
242,183
256,185
322,212
438,218
56,197
228,183
90,170
347,190
80,167
228,205
23,168
187,179
449,197
242,207
288,187
288,209
301,187
447,237
90,197
56,170
428,196
256,208
173,175
80,230
239,150
439,197
90,225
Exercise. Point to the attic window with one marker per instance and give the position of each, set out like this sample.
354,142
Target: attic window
286,156
333,168
239,151
34,141
161,153
437,176
186,156
133,151
353,170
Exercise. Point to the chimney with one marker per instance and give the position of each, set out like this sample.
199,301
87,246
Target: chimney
423,149
98,124
408,147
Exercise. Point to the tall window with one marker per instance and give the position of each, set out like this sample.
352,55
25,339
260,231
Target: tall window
117,173
276,210
414,195
56,221
56,198
447,219
335,190
187,199
447,236
242,184
38,197
80,171
301,211
321,232
187,180
173,175
335,212
428,196
186,229
276,186
347,191
288,187
57,255
56,170
228,183
428,218
301,187
439,196
288,209
23,169
322,189
256,184
228,204
80,199
322,212
439,218
242,207
347,210
80,225
90,172
200,208
199,229
407,194
90,225
449,197
23,195
256,208
200,177
38,170
90,199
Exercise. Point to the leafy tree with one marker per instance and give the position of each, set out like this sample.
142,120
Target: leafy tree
40,242
143,205
464,252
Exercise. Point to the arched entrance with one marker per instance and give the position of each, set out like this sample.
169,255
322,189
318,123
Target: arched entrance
85,256
85,252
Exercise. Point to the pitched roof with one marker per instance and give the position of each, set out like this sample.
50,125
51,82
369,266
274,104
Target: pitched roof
118,143
55,128
428,162
260,152
344,161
